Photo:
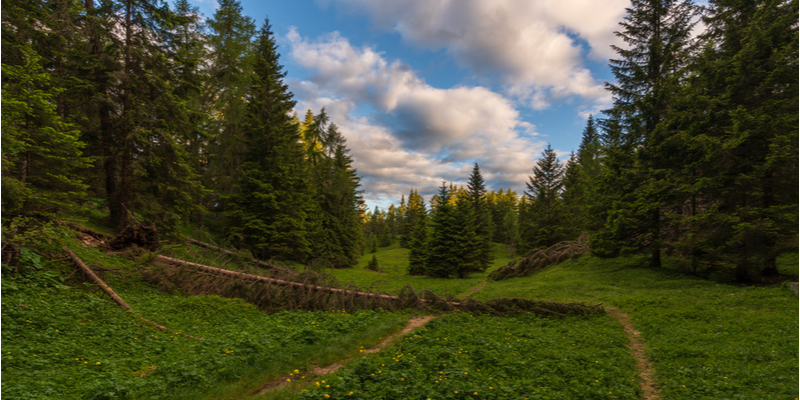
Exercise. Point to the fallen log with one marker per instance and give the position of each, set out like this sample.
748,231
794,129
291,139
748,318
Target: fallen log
109,291
99,282
498,306
230,253
278,282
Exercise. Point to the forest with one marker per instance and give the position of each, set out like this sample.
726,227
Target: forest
145,108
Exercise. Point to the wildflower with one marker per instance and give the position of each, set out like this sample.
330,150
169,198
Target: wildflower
327,386
288,380
326,396
476,393
350,394
98,363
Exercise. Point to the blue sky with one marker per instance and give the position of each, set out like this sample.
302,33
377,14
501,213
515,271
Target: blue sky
422,89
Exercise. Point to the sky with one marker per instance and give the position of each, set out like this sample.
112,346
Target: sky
424,89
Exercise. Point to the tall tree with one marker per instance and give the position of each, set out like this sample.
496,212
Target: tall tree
657,34
737,153
442,253
481,218
230,70
266,209
542,222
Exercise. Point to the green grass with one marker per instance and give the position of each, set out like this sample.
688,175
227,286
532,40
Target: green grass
464,357
76,343
393,261
789,264
706,340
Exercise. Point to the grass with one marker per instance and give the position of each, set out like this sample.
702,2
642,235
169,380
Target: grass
464,357
75,343
706,340
393,261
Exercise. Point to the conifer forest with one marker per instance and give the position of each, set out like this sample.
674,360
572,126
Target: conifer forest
175,225
143,107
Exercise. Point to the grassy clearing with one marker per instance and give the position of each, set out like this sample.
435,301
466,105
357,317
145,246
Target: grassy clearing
393,261
706,340
464,357
77,344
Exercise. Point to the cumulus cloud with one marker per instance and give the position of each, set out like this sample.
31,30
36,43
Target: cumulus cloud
405,133
536,48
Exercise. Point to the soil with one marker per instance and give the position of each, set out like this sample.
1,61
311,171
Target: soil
637,349
413,324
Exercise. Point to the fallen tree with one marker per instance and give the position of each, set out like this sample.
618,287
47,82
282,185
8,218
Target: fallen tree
539,259
309,290
109,291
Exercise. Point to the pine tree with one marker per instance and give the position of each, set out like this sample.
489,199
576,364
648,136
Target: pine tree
482,218
41,152
266,209
542,222
373,263
736,156
442,252
230,69
657,33
417,246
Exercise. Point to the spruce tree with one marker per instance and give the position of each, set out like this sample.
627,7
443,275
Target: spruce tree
657,34
267,208
481,218
542,222
736,157
417,246
442,252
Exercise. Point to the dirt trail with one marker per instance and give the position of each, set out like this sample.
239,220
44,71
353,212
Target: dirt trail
413,323
477,288
637,348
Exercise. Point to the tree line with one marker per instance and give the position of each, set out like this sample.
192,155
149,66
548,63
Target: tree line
697,158
144,108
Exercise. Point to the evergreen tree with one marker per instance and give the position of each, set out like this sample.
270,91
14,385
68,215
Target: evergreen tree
481,219
373,263
230,69
735,166
41,152
266,209
417,247
442,252
386,236
542,222
657,33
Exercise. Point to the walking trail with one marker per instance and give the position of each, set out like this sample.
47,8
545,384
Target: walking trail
637,349
413,323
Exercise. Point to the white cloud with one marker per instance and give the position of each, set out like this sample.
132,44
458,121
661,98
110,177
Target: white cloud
531,46
404,133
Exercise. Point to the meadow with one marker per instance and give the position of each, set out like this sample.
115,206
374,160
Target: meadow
705,339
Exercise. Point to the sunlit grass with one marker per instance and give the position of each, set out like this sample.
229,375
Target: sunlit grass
706,340
393,262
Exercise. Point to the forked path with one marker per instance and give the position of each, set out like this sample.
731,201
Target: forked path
413,323
637,348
